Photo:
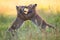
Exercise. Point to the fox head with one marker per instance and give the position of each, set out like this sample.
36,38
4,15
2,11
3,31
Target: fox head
31,8
21,9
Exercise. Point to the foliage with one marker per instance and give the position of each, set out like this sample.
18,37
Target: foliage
29,31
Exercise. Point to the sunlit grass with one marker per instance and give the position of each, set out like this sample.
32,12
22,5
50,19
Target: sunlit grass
29,31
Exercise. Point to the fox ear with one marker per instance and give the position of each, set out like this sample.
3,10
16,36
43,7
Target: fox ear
34,5
17,7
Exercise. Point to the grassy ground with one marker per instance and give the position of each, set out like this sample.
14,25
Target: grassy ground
29,31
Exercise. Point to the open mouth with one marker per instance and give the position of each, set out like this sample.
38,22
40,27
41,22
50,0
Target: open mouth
26,11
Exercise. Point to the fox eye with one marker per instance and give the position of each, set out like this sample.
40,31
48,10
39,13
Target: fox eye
30,11
21,11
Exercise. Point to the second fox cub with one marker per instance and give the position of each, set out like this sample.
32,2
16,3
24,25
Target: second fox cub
36,18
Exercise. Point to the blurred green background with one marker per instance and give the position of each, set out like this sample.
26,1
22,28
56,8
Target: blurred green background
29,31
49,10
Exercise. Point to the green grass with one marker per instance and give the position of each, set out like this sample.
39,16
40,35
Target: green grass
29,31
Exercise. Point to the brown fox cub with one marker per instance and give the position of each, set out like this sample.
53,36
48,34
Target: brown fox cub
36,18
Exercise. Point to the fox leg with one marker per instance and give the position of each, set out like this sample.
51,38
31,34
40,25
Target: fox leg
40,22
17,23
36,20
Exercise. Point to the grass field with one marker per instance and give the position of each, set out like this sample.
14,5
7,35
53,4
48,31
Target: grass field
29,31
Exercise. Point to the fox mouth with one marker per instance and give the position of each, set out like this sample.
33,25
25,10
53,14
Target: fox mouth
26,11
